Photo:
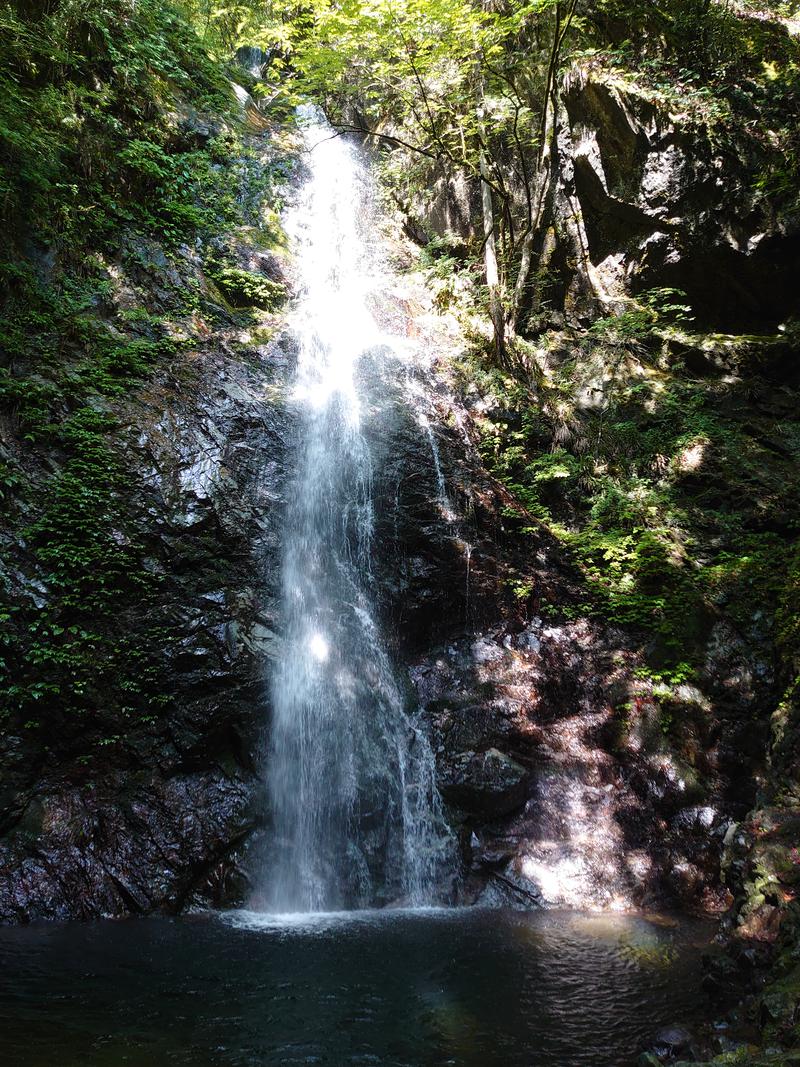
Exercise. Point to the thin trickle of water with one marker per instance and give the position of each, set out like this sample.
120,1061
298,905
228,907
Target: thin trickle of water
468,558
446,508
356,816
441,486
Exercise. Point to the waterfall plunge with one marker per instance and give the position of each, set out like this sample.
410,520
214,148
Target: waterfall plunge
356,815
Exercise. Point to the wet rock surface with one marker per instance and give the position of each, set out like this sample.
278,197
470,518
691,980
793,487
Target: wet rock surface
570,779
612,810
573,778
487,783
152,820
113,809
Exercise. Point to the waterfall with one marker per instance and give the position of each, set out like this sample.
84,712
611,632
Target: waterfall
356,816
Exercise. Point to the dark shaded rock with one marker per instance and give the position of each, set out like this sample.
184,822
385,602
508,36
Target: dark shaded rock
101,855
488,783
656,214
128,806
671,1042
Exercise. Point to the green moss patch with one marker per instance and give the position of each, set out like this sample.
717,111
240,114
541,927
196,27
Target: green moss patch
675,495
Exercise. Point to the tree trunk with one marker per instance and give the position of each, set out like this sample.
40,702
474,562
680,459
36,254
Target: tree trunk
490,265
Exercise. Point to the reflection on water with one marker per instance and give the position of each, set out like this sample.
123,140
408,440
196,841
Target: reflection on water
434,987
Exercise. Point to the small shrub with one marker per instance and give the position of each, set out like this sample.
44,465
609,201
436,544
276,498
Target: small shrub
243,289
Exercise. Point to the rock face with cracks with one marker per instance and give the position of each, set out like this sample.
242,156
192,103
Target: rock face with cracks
153,824
564,773
661,206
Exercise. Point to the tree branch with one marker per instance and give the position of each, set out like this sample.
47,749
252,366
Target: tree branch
343,127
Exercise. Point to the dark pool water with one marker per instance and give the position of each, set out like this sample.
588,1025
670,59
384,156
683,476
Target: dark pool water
472,988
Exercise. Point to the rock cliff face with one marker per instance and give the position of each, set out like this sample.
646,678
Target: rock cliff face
662,205
572,777
550,755
106,810
153,821
641,195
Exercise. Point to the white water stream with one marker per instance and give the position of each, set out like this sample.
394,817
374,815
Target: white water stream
356,815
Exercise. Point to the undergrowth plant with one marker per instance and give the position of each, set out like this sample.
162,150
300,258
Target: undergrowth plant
670,506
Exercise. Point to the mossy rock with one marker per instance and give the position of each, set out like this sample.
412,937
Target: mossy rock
750,1057
780,1008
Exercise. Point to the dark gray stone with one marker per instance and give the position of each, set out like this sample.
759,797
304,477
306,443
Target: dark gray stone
489,783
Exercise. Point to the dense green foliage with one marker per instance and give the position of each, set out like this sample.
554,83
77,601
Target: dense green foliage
88,141
77,650
669,496
463,88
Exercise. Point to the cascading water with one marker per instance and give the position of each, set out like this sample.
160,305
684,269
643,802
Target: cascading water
355,811
414,390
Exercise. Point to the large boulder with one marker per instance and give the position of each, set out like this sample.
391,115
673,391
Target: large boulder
656,212
489,783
